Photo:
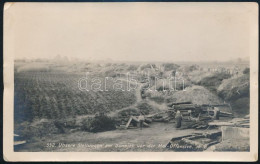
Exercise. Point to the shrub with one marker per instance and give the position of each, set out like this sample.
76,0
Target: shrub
132,67
241,106
235,88
39,129
145,66
170,66
128,112
212,82
98,124
246,71
145,108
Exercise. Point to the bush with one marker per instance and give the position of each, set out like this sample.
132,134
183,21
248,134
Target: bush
145,108
170,66
132,67
246,71
235,88
39,129
236,91
128,112
145,66
98,124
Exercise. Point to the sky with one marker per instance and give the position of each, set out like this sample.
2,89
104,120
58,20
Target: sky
130,31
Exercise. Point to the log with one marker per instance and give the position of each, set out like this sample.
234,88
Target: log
128,123
182,107
227,113
187,102
221,114
247,116
221,123
221,105
19,142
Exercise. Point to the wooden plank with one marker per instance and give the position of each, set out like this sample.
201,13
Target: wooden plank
128,123
221,123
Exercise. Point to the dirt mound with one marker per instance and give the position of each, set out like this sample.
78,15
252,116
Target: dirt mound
197,95
236,91
234,88
213,81
241,106
210,80
196,76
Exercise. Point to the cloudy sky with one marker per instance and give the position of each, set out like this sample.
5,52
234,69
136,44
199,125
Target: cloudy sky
130,31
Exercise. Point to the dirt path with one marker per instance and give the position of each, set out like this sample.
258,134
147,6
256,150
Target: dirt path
152,139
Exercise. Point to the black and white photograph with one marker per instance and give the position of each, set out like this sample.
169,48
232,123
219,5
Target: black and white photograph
131,77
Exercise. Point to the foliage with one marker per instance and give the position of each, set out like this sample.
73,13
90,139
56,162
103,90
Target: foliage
170,66
98,124
132,67
234,88
145,108
128,112
40,128
212,82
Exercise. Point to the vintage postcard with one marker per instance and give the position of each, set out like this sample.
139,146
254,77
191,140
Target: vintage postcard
130,81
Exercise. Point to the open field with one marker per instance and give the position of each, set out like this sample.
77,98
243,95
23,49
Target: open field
159,134
50,107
